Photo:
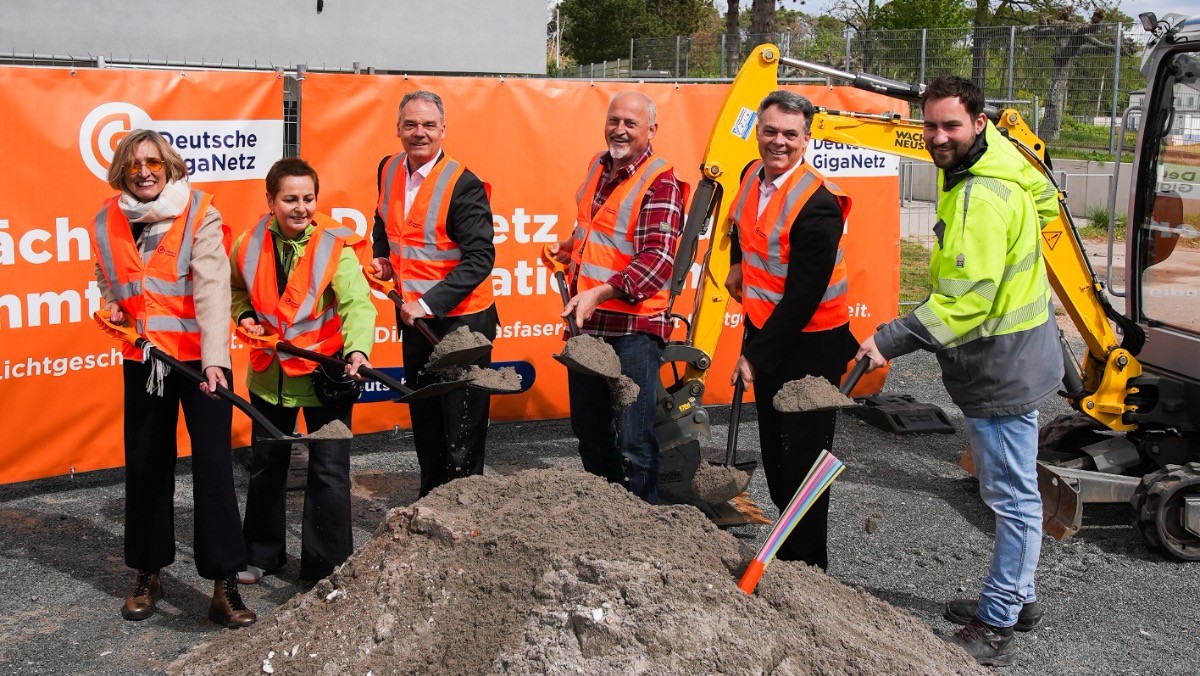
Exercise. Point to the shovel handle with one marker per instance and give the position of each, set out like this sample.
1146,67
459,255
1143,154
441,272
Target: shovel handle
560,276
274,342
130,336
860,367
735,417
424,328
387,287
566,298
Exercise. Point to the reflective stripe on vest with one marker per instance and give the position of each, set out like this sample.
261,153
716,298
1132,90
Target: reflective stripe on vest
766,247
422,253
294,315
155,293
604,243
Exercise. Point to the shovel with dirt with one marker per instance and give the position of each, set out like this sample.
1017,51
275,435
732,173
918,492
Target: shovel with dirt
587,354
459,348
333,430
719,482
404,393
813,393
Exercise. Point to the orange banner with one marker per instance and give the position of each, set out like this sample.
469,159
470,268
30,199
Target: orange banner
531,139
59,376
60,380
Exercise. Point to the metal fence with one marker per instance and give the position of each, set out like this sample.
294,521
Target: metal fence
1070,81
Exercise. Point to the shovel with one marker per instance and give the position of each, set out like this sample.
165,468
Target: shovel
856,373
130,336
406,393
461,357
560,278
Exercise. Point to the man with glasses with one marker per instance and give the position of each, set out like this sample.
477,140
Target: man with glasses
789,275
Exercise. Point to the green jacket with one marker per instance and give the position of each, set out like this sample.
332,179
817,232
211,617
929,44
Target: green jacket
989,317
348,290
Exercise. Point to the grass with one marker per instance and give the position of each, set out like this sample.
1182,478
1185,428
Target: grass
914,274
1097,225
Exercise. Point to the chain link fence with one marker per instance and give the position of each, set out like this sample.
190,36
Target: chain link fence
1069,81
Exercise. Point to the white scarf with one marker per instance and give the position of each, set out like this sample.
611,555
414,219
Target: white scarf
158,215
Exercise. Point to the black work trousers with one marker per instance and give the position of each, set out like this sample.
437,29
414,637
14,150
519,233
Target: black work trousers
150,455
449,431
791,442
326,536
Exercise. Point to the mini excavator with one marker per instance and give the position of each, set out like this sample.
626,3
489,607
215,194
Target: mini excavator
1136,392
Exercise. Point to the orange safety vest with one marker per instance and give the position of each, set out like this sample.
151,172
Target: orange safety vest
604,243
296,315
766,246
157,294
422,253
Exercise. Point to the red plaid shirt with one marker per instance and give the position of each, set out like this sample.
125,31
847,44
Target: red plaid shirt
654,251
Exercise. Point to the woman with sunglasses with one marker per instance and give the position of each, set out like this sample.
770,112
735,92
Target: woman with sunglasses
162,267
296,275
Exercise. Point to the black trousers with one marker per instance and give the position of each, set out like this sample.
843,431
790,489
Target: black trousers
449,431
791,442
150,454
326,536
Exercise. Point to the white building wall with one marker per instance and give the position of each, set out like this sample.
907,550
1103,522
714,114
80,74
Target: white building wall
461,36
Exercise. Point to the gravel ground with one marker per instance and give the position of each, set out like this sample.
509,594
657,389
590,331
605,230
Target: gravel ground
1112,607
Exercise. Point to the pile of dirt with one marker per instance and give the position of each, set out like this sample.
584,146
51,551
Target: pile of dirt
624,390
459,339
335,429
716,484
810,393
554,571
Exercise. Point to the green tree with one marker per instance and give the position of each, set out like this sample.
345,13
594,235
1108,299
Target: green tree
599,30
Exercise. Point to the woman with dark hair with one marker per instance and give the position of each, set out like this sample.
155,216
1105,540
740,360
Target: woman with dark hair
297,275
161,264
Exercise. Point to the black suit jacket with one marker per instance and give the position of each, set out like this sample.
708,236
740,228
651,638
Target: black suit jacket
469,226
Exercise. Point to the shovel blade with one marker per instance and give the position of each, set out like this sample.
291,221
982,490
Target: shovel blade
578,367
463,357
434,390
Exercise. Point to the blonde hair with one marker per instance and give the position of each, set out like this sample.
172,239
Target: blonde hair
176,168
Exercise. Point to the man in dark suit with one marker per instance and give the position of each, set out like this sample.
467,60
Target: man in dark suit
433,232
790,276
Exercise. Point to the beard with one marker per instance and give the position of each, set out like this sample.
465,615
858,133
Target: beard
950,155
619,151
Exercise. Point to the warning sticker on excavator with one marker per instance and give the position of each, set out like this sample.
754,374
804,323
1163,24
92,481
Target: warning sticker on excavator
1051,238
743,126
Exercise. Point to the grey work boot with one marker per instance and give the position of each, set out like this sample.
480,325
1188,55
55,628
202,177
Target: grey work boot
962,611
989,646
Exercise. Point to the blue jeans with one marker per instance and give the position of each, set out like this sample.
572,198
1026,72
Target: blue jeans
1005,453
617,444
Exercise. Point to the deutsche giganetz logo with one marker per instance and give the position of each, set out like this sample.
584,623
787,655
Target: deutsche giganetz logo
214,150
103,128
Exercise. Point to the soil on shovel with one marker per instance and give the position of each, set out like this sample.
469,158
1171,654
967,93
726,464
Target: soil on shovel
594,354
624,390
502,379
810,393
717,484
599,356
332,430
553,571
461,338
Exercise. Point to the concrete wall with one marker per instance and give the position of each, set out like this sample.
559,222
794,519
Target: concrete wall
492,36
1087,184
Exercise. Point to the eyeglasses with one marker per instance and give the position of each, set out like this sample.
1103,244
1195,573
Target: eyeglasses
152,163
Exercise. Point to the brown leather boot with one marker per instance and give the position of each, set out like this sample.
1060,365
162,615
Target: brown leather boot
227,608
147,590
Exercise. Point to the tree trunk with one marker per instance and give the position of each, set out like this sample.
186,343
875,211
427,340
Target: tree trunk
1066,48
733,39
762,20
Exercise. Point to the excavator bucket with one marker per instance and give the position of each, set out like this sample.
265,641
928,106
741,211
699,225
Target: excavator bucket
1062,510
